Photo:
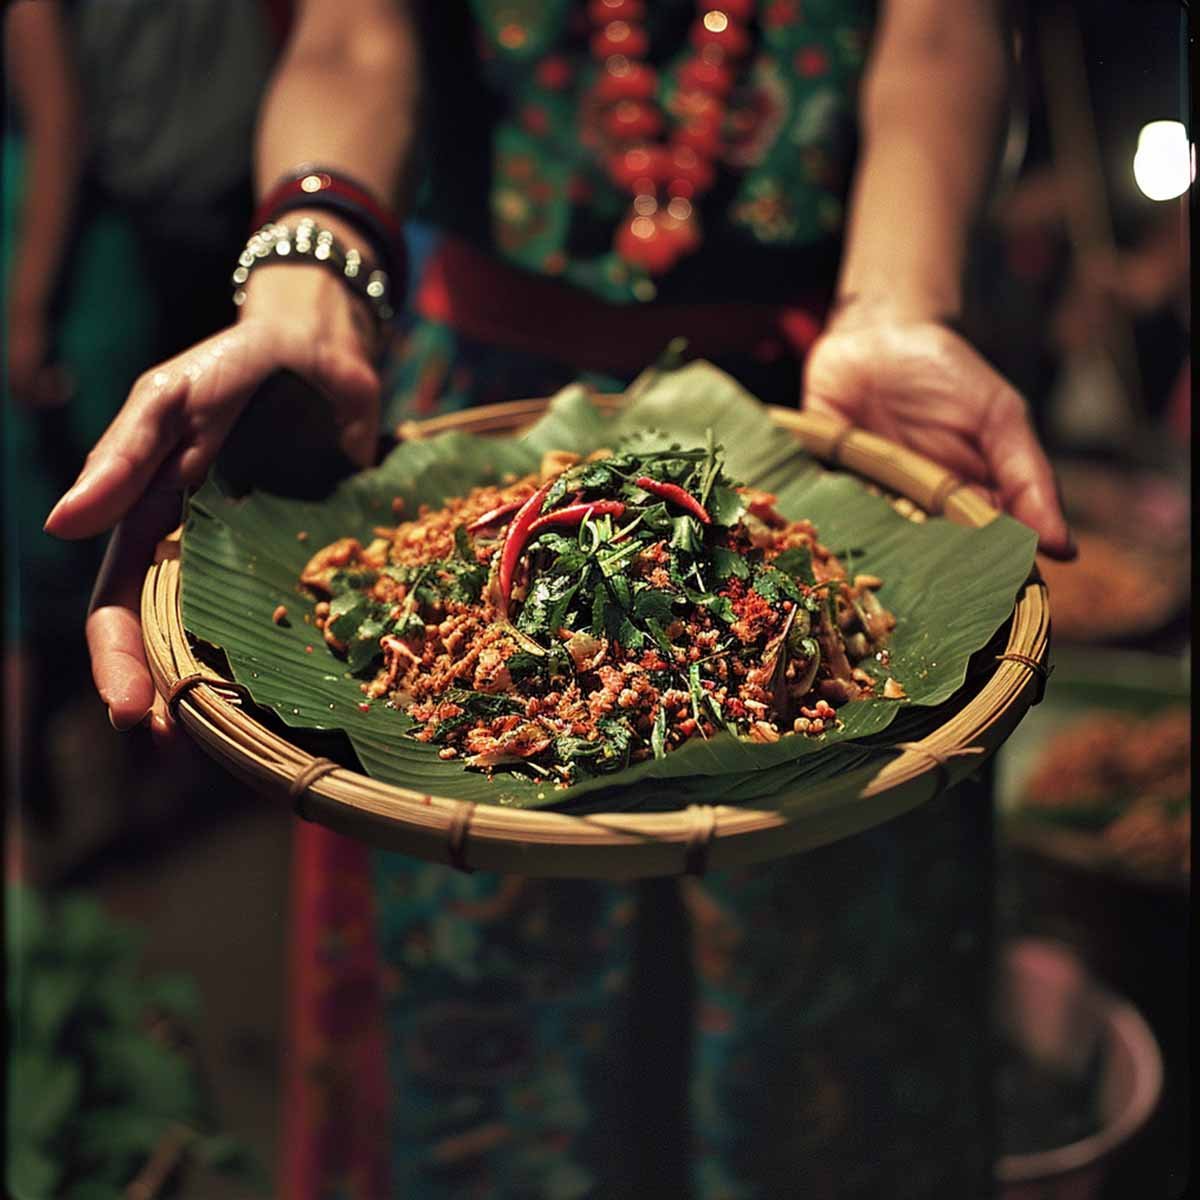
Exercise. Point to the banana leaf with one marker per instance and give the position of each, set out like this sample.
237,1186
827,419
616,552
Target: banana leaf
951,588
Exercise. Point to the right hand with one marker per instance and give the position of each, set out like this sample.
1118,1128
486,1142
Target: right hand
33,382
169,431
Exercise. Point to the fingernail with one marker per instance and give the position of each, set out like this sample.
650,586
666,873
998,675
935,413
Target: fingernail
126,728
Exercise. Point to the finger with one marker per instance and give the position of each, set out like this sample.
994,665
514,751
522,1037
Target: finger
985,494
189,401
225,377
945,444
950,450
114,628
1022,475
354,387
125,458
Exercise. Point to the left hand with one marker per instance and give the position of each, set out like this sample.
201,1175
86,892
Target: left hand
921,385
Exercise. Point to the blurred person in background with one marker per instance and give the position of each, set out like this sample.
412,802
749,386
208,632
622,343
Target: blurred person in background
127,174
601,177
1142,281
1148,284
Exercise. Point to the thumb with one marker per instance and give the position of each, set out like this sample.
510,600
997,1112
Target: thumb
114,628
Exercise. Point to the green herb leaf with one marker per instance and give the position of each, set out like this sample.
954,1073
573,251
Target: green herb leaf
653,604
798,639
523,665
622,590
346,613
773,585
409,625
630,636
796,562
658,735
546,606
656,517
725,506
729,564
686,534
364,646
484,704
718,605
600,605
352,581
696,689
570,561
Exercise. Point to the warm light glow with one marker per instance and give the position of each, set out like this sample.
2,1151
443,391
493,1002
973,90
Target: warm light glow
715,21
1164,164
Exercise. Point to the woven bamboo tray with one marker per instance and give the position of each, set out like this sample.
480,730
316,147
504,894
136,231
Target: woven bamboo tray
616,845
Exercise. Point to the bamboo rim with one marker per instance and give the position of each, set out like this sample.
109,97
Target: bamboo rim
608,845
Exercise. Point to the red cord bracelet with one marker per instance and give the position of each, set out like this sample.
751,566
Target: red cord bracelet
318,187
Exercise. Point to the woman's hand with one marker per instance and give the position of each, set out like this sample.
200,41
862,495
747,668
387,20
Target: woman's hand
168,433
921,385
33,382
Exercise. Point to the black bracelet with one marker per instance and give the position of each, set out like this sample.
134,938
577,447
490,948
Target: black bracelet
317,187
307,243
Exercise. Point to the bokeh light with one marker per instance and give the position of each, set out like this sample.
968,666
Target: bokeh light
1164,164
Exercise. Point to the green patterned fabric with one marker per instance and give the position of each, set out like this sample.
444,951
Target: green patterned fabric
513,160
810,1027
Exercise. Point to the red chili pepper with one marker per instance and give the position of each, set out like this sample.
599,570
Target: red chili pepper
515,539
573,514
495,514
676,495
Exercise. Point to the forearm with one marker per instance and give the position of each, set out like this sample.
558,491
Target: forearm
931,108
345,96
47,98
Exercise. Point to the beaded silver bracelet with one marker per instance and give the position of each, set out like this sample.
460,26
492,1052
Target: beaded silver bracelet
276,242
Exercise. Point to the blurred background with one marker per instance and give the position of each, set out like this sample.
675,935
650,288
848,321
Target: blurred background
147,897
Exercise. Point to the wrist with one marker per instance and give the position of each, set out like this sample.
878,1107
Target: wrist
333,277
312,188
346,232
853,310
309,297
